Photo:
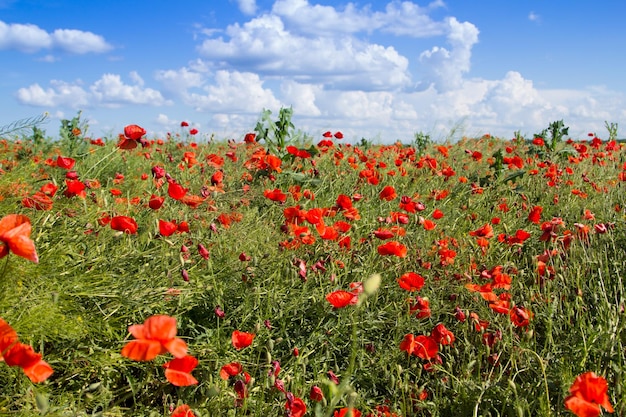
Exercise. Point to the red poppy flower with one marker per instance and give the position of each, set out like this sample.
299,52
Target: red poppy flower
14,353
193,132
383,234
167,228
124,224
178,371
241,340
392,248
183,411
134,132
341,298
296,407
520,316
275,195
15,237
74,188
411,281
19,354
273,162
230,369
176,191
315,215
535,214
587,394
338,135
250,138
344,202
345,412
427,224
155,202
485,231
421,308
388,193
442,335
327,134
8,337
538,141
316,394
65,163
155,336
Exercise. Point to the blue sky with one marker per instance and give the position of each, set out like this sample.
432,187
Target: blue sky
382,70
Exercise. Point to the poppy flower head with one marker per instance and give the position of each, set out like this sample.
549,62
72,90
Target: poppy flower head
155,336
183,411
341,298
587,394
134,132
22,355
124,224
392,248
411,281
241,340
15,237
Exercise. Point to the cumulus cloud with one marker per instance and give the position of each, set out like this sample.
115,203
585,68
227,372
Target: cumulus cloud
78,41
263,45
444,68
178,82
59,94
31,38
108,91
233,91
301,97
399,18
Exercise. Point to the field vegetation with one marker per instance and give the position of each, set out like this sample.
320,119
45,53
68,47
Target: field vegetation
279,274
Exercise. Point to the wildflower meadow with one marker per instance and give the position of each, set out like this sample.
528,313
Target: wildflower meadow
284,274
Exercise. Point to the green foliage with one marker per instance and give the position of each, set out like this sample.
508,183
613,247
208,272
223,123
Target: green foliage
276,135
421,142
71,135
552,136
612,128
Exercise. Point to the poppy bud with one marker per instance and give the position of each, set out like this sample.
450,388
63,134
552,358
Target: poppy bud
203,251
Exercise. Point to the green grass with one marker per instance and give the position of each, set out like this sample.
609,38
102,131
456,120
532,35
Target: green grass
92,282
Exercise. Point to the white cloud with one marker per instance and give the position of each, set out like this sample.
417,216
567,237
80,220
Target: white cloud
301,97
247,6
177,82
400,18
25,38
108,91
134,75
233,91
78,41
31,38
59,94
445,68
534,17
263,45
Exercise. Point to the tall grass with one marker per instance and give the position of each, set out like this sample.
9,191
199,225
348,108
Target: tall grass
92,282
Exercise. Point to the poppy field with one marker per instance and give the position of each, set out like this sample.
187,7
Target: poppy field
277,274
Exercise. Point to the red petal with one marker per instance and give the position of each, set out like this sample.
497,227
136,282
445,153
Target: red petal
142,350
341,298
